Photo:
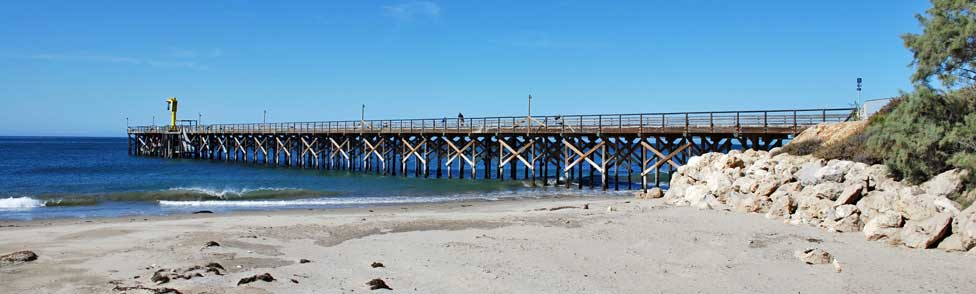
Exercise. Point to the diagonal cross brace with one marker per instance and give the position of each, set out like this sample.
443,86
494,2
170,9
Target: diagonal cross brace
583,156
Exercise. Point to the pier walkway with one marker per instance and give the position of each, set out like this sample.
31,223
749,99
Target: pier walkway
613,150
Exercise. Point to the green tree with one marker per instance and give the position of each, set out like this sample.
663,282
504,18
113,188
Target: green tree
946,49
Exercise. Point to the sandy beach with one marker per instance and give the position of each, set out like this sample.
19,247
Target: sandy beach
518,246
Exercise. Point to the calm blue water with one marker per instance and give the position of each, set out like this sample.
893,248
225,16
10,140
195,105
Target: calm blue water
42,177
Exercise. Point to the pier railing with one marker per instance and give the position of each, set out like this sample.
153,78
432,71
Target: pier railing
783,121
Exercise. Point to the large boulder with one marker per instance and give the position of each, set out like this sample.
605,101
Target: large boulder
782,206
748,202
964,225
875,203
809,173
883,225
719,184
834,171
826,190
926,233
953,243
845,218
916,207
811,210
945,184
850,195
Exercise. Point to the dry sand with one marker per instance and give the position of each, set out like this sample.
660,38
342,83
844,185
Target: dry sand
474,247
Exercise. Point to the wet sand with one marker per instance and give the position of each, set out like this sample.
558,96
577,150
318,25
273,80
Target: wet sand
642,246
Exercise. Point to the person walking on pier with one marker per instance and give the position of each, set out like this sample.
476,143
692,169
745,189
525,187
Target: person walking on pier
460,120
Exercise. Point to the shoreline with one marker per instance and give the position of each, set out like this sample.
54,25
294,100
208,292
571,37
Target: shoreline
638,246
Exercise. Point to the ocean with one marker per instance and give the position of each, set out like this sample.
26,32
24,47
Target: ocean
61,177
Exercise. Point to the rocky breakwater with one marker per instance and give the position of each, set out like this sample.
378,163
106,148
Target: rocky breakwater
836,195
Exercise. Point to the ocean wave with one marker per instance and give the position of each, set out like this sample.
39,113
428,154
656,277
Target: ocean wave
331,201
19,203
180,194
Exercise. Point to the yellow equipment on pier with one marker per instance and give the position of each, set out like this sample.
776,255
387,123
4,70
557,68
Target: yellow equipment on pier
171,106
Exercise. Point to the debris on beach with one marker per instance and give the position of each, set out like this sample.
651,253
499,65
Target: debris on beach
376,284
585,206
377,264
159,277
262,277
211,244
818,256
202,212
294,281
18,257
304,260
119,288
163,276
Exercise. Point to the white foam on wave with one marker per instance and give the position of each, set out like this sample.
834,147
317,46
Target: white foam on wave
20,203
225,192
362,200
325,201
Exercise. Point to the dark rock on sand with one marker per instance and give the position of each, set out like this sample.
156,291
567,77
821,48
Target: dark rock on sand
160,278
376,284
18,258
377,264
304,260
211,244
262,277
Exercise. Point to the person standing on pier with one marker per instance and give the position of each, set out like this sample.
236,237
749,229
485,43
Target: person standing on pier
460,120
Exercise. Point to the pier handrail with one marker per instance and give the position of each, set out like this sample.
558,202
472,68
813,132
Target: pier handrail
700,121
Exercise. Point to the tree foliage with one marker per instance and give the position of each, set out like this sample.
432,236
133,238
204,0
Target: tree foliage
946,49
927,134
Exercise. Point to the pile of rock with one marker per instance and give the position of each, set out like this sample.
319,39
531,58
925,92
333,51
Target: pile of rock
836,195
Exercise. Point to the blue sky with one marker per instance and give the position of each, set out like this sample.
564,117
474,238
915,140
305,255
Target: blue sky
82,67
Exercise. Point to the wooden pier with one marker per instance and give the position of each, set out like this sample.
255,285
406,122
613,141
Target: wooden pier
580,150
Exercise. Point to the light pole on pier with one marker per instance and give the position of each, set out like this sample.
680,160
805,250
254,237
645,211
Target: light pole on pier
857,102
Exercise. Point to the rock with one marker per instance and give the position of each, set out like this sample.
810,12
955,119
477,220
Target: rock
376,284
745,184
952,243
845,218
826,190
781,208
945,184
734,162
927,232
914,207
837,267
850,195
719,184
964,225
883,225
875,203
652,193
834,171
812,210
814,256
159,277
262,277
17,257
211,244
376,265
748,203
808,173
302,261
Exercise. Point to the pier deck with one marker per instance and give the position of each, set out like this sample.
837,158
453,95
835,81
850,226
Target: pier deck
557,149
